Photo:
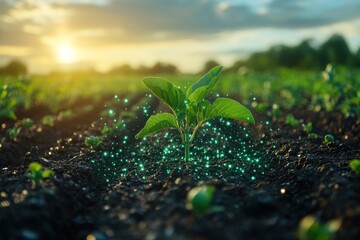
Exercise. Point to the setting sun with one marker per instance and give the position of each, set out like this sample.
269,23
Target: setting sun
65,53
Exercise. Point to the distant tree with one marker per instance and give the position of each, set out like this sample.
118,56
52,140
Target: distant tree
236,66
124,69
161,68
335,50
209,65
356,59
307,55
14,68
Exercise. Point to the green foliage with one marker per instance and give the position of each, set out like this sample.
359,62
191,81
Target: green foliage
275,111
311,229
106,130
307,127
48,120
14,132
291,120
190,111
27,122
38,174
355,165
199,199
8,102
93,142
328,138
313,135
68,114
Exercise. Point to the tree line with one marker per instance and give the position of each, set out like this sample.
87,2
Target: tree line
303,56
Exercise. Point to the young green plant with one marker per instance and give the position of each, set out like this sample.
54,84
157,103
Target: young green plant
38,174
189,109
199,200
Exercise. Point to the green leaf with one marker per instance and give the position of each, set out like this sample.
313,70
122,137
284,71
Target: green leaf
47,173
355,165
173,96
7,113
204,85
228,108
35,167
204,110
156,123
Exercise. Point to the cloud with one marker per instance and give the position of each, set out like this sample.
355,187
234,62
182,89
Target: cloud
128,21
138,27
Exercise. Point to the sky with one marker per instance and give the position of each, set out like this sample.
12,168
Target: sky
101,34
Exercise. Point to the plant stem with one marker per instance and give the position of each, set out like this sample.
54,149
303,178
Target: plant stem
187,145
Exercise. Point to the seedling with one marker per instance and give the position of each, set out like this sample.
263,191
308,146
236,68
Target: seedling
190,110
275,111
307,127
313,135
328,139
106,130
27,122
93,142
355,165
68,114
311,229
199,199
14,132
48,120
38,174
291,120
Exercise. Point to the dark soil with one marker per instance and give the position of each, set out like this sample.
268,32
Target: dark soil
88,197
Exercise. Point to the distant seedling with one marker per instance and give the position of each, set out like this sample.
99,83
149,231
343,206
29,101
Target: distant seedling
14,132
38,174
27,122
311,229
93,142
48,120
328,139
307,127
199,200
355,165
106,130
190,110
291,120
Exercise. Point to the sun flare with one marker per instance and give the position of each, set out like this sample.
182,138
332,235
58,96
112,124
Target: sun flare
65,53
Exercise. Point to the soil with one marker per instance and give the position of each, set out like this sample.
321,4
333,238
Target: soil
90,195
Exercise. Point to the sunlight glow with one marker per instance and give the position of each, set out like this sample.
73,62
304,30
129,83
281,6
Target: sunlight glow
65,53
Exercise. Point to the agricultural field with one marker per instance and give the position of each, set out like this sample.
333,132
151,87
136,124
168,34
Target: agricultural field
72,168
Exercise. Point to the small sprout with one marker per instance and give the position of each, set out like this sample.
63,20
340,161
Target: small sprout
38,174
27,122
275,111
355,165
68,114
48,120
106,130
328,139
312,136
329,73
261,107
307,127
199,199
311,229
291,120
14,132
93,142
127,114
